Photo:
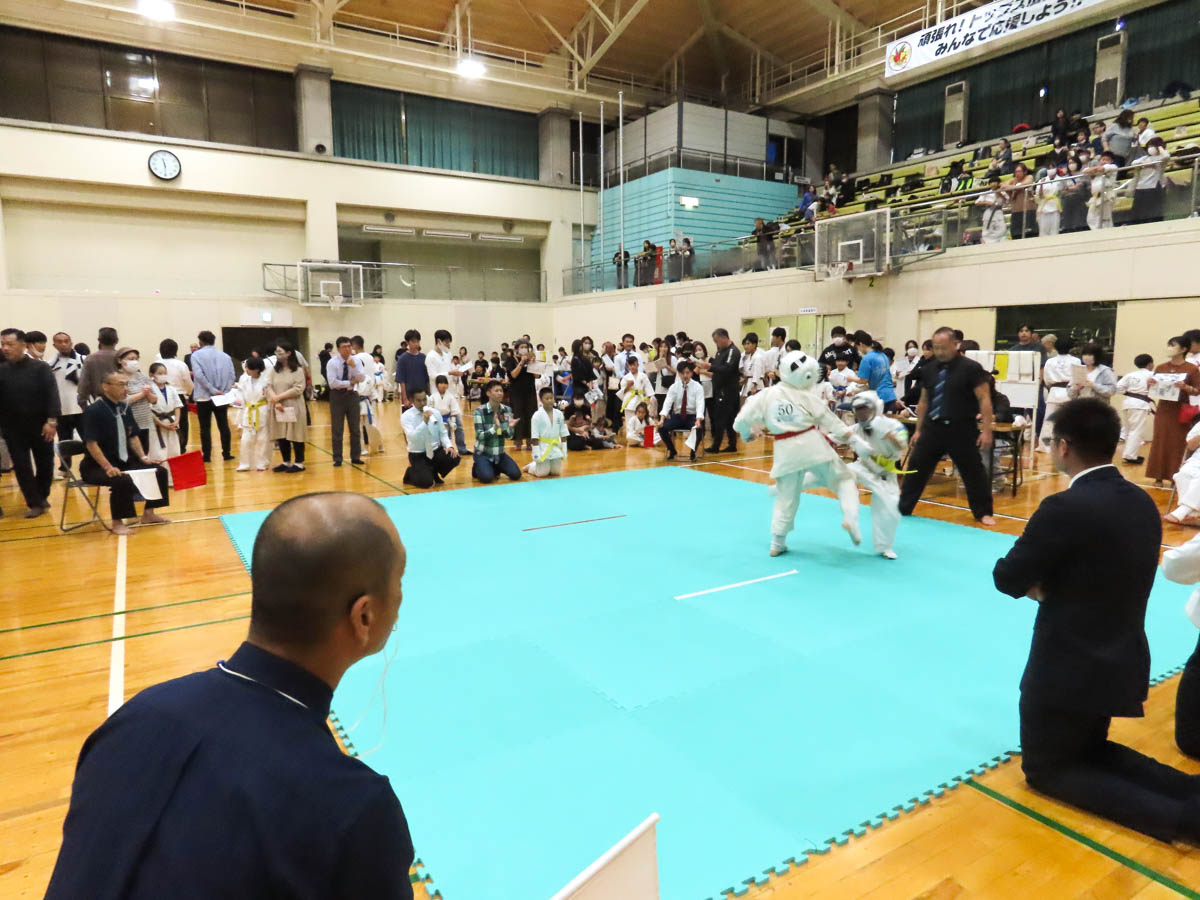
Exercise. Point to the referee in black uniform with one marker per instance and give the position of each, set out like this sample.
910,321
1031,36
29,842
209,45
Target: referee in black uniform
954,392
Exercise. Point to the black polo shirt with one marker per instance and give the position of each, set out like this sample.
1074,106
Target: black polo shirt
99,424
959,403
28,395
831,354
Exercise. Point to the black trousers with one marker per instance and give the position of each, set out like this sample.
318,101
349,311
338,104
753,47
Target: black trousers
121,490
33,464
68,425
1067,755
423,472
205,410
524,405
724,410
285,450
937,440
575,442
1147,206
181,418
1187,707
679,423
343,413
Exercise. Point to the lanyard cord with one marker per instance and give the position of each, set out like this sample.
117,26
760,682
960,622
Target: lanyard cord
227,671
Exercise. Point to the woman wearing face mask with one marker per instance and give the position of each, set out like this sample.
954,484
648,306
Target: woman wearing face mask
1049,203
912,381
1073,192
141,392
1101,382
904,363
1170,433
1149,182
165,407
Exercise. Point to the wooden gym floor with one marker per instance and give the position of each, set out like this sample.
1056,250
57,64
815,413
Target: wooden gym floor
186,596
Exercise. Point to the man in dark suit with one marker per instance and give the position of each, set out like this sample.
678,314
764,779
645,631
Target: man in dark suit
724,367
1089,660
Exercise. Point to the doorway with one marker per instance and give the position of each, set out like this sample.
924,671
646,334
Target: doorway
239,342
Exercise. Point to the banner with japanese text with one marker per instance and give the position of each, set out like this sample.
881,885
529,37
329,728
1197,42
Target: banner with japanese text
996,20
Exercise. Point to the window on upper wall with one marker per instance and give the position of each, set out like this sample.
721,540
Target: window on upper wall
49,78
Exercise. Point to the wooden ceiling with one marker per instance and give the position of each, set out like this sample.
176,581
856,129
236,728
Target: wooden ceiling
781,31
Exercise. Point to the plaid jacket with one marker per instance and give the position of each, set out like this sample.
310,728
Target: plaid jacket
490,434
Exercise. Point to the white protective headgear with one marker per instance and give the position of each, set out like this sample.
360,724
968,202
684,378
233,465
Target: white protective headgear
799,369
868,398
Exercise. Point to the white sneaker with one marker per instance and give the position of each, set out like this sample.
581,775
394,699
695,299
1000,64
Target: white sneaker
852,530
889,554
262,468
242,469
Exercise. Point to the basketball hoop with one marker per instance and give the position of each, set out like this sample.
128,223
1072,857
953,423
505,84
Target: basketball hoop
838,270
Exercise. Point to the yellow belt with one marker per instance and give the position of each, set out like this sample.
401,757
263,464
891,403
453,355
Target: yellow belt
889,465
252,412
548,444
634,395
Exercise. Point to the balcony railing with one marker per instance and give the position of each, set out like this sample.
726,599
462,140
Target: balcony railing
698,161
375,281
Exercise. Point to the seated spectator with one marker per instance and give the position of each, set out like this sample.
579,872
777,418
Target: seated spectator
1001,163
1096,142
1145,132
549,429
431,455
579,427
636,425
684,411
602,428
822,209
493,423
113,447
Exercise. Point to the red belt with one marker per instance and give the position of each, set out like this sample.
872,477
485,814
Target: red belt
792,434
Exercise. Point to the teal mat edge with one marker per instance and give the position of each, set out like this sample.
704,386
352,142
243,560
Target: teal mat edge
890,814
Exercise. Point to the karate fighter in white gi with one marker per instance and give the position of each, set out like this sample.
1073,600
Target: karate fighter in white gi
879,443
795,414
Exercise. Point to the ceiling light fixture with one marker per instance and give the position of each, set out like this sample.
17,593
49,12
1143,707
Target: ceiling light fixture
159,10
507,238
389,229
470,67
459,235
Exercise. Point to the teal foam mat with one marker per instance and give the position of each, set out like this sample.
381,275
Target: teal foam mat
549,692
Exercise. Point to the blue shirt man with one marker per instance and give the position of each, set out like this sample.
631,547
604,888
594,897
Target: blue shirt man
212,369
228,783
875,370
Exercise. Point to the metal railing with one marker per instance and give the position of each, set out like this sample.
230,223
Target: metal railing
407,281
698,161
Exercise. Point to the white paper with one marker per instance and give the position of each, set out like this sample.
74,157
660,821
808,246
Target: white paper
225,399
146,482
593,395
1079,376
540,368
285,415
692,437
1167,385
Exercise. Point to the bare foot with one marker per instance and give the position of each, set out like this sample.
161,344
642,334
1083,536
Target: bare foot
152,518
852,530
119,527
989,521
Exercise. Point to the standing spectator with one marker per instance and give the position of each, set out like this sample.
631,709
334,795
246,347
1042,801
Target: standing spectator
212,376
609,379
626,350
839,348
764,234
522,393
1149,182
1120,138
35,345
1101,382
753,373
29,409
367,389
1089,660
621,263
683,411
431,455
1049,203
770,359
875,372
289,415
954,416
323,357
583,374
912,381
1057,374
254,419
674,261
992,226
179,377
113,447
66,365
141,393
493,423
1138,407
97,365
724,371
646,261
167,408
411,372
1074,193
689,258
905,364
1027,343
1103,185
344,375
1021,203
439,361
1170,434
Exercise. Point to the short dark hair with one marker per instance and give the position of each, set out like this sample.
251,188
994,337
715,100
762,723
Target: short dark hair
35,337
206,337
1143,360
491,384
542,393
837,330
254,364
305,575
16,332
720,332
927,345
443,335
1192,334
412,335
154,367
357,341
1091,426
441,379
419,389
686,364
863,337
968,344
341,339
1024,327
779,332
626,335
1065,343
791,345
107,337
328,346
957,332
751,336
950,331
1093,350
82,349
167,348
1143,119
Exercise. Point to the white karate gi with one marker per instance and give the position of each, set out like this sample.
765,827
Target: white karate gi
254,420
794,408
1187,481
635,431
753,372
164,443
1139,414
994,227
1058,369
636,389
1100,204
551,451
870,440
1049,206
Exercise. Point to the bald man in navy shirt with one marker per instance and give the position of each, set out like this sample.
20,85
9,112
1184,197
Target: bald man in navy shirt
227,783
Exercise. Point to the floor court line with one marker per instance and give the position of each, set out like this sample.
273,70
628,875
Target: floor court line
116,665
136,609
126,637
360,468
726,587
1088,842
580,522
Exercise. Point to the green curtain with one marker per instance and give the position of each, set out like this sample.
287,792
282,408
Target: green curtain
920,114
1163,47
506,142
368,123
440,134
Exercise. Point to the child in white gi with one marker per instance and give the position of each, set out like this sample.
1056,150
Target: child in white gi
1187,481
1049,205
1139,410
635,427
635,388
164,437
994,229
1104,183
256,446
549,429
1057,375
799,419
880,443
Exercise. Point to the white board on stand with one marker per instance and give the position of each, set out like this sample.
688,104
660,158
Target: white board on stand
627,871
